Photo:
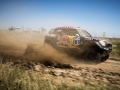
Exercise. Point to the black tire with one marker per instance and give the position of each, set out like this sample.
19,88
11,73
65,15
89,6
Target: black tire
51,42
97,58
104,58
93,57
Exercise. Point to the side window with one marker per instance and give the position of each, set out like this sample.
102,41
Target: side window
59,32
51,31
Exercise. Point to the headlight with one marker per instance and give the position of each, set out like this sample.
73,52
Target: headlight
102,43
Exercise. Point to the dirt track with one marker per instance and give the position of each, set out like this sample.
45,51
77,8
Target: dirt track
12,48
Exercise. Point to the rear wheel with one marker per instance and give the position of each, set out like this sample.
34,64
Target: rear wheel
51,42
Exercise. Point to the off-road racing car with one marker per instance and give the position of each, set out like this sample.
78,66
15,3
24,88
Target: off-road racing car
78,43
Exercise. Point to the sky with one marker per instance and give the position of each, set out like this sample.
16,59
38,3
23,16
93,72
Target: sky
95,16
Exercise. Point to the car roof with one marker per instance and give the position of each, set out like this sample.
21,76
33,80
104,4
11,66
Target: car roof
65,27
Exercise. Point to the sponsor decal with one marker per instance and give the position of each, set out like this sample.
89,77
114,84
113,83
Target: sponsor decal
63,40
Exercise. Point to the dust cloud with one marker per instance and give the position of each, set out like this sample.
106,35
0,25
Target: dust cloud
30,47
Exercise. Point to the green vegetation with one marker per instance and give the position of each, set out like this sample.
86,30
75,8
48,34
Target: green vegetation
118,48
116,45
13,78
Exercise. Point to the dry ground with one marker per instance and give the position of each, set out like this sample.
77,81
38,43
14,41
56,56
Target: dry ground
53,64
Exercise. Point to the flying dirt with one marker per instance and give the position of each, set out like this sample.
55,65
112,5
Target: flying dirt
37,46
28,46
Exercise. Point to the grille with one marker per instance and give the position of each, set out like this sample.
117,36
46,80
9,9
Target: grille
109,46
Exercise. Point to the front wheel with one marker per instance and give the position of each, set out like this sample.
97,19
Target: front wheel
92,56
97,58
104,58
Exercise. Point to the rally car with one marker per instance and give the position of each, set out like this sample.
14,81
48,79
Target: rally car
78,43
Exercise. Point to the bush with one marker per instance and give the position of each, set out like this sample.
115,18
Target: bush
14,78
118,48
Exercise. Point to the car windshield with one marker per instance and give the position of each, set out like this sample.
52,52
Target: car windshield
84,33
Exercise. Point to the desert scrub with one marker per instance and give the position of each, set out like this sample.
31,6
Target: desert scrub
13,78
118,48
17,79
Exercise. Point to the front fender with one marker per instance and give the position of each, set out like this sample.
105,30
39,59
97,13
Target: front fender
107,47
